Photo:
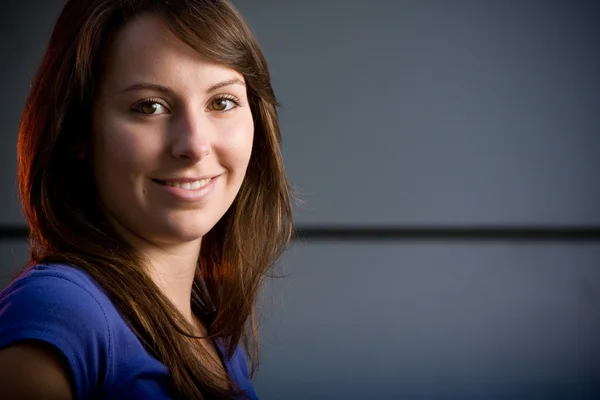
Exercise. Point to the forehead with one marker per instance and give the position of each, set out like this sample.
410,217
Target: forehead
145,49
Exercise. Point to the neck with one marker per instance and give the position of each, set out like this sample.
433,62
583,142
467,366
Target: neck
173,271
172,267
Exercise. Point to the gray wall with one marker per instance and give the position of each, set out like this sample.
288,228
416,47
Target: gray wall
420,113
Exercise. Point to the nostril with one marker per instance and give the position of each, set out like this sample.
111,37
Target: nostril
183,156
190,152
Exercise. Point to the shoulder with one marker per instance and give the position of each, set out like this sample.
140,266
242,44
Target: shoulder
43,278
238,369
51,297
63,308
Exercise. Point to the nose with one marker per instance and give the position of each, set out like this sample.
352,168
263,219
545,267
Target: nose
191,138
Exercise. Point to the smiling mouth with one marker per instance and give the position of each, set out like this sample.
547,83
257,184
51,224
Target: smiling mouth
193,185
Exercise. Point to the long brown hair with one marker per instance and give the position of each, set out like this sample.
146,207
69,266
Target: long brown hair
60,201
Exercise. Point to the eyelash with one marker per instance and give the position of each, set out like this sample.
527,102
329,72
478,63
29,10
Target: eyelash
229,97
151,100
154,100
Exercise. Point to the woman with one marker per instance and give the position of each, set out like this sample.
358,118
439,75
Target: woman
151,175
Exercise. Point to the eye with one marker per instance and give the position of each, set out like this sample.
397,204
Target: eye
150,107
223,103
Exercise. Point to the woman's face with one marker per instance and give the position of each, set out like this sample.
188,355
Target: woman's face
172,136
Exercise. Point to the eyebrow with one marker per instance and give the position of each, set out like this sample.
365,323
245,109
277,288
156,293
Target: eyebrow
229,82
165,89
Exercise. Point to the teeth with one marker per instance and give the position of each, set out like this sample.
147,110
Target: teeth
189,185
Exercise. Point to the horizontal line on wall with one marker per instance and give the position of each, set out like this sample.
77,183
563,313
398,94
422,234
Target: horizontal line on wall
430,233
448,233
14,232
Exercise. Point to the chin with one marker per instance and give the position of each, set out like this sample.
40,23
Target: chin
184,226
188,232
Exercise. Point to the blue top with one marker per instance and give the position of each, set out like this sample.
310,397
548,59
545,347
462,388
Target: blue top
64,307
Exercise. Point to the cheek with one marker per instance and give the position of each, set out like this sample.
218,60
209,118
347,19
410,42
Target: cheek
237,144
119,148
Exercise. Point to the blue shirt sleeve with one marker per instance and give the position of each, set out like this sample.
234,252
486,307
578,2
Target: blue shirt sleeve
63,312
